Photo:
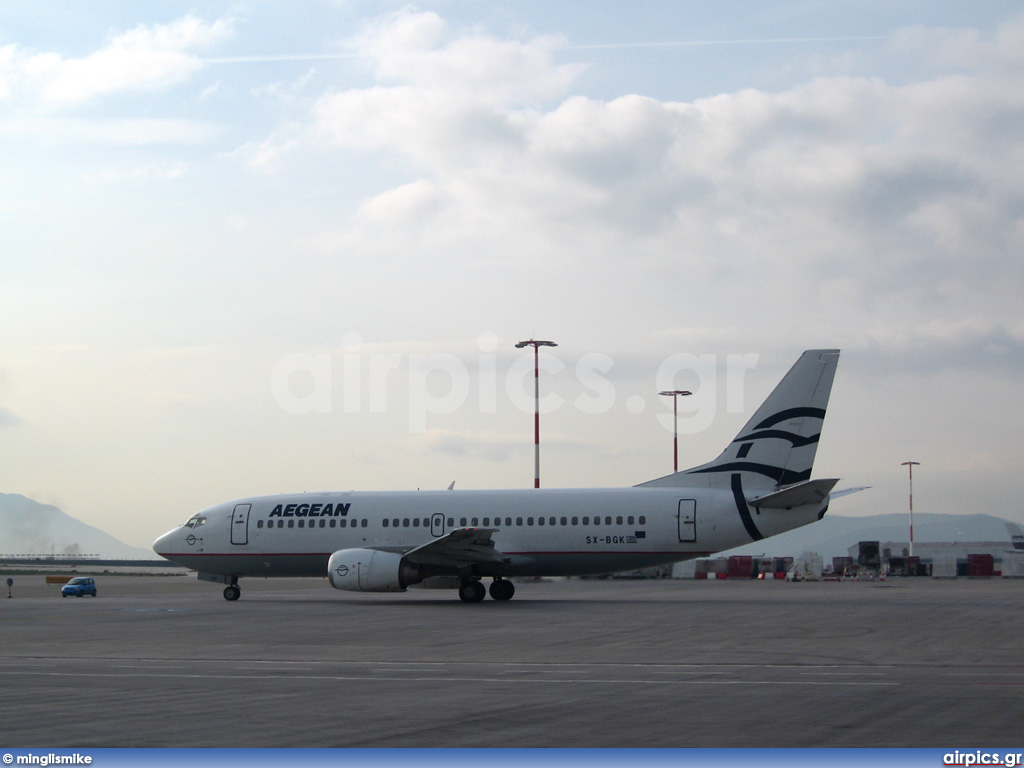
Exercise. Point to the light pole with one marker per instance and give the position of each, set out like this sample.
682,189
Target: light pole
910,467
675,394
536,398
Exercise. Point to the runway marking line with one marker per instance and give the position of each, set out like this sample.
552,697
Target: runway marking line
447,679
483,663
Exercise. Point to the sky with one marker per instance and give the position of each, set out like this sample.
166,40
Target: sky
252,247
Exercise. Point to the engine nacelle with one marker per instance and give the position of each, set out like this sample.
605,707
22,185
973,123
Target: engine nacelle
370,570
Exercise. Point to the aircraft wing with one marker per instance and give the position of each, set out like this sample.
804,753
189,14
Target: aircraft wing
461,547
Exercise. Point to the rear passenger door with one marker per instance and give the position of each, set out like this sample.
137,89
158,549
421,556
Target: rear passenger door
687,520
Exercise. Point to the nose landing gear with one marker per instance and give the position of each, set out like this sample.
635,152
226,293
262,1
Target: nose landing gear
232,592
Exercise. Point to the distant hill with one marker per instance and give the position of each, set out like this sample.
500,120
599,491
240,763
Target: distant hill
834,534
30,528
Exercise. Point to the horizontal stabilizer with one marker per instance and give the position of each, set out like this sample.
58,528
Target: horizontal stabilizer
807,492
848,491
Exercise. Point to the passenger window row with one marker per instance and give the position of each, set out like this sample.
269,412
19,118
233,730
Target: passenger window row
332,523
508,522
463,522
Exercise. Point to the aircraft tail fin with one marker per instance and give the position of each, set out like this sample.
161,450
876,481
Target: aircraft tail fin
777,446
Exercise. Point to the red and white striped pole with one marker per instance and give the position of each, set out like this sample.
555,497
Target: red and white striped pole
536,399
676,394
910,466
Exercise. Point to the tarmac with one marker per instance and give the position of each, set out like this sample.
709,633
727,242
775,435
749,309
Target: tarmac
165,661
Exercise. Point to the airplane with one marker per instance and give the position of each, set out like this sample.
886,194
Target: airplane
387,541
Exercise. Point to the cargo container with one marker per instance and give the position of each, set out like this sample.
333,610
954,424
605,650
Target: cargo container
869,556
980,566
740,567
944,567
841,565
711,569
807,567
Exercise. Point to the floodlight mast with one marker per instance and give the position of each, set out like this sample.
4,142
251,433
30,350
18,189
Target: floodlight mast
910,467
536,344
675,394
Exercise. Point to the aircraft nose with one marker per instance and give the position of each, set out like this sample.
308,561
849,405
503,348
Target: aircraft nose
162,545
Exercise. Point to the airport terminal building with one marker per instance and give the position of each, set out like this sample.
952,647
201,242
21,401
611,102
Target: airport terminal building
944,559
949,560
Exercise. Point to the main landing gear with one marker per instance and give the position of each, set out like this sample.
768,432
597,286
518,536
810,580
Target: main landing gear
232,592
502,590
472,591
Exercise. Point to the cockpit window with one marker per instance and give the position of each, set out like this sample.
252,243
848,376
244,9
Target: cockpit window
195,521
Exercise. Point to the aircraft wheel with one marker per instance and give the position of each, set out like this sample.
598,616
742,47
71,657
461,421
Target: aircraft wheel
232,592
502,589
472,591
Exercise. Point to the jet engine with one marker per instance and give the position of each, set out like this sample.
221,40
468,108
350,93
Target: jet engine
371,570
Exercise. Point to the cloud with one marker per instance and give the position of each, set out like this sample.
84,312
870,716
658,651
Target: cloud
8,70
873,205
490,446
152,57
439,180
487,446
136,132
941,344
440,94
965,48
417,49
267,155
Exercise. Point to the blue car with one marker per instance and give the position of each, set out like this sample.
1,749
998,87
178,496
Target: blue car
78,586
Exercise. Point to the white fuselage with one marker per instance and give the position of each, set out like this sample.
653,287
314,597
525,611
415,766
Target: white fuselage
539,532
